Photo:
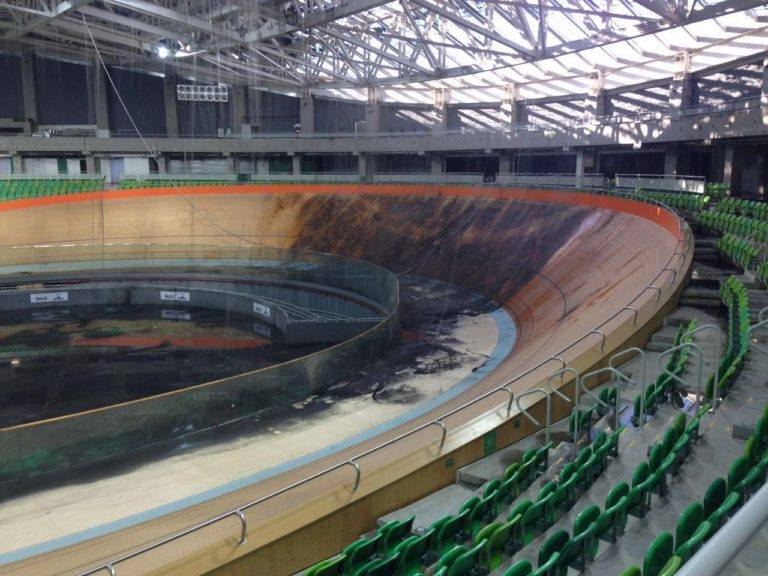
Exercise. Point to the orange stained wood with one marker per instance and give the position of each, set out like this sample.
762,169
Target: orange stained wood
605,251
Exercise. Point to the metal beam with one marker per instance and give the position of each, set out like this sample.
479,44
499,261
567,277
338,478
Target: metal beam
58,10
453,17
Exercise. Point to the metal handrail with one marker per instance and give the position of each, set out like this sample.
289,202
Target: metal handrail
607,370
718,357
676,377
641,352
530,417
682,233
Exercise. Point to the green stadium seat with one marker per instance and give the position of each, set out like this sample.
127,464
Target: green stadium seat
658,554
520,568
613,519
695,541
688,522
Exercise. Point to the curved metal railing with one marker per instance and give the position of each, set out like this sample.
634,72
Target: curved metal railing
683,238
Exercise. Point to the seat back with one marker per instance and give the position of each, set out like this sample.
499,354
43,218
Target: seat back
737,471
590,514
658,554
554,543
520,568
466,563
688,522
688,548
714,496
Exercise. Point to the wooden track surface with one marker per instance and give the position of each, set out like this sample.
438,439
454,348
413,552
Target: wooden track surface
560,263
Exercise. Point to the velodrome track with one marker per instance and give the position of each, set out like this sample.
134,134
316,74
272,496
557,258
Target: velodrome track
561,264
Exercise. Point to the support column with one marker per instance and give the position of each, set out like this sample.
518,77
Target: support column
442,99
512,108
435,164
681,88
764,90
17,165
373,111
307,113
579,183
505,163
100,100
728,159
231,164
670,160
171,110
241,123
262,166
162,164
90,164
29,92
296,163
596,101
365,167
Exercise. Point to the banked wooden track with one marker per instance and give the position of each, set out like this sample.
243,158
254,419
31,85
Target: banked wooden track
561,263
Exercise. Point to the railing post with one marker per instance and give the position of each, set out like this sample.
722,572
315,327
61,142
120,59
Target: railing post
356,466
718,357
676,377
243,526
444,432
531,418
640,351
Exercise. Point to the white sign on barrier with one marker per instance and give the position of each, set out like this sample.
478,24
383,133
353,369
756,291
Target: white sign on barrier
174,296
263,330
262,309
175,315
49,297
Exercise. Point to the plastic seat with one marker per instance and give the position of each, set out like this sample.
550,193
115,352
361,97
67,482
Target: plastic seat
380,567
658,554
411,551
448,529
537,518
520,568
639,497
551,568
497,541
329,567
724,511
359,552
736,473
613,520
393,533
671,567
480,514
555,543
688,522
582,548
463,563
695,541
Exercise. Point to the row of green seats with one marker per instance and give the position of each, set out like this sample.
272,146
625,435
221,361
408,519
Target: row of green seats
656,392
593,525
739,251
21,189
762,273
377,555
738,225
168,182
734,296
751,208
699,521
681,200
528,519
717,190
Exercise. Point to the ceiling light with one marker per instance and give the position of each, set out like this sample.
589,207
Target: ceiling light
162,52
